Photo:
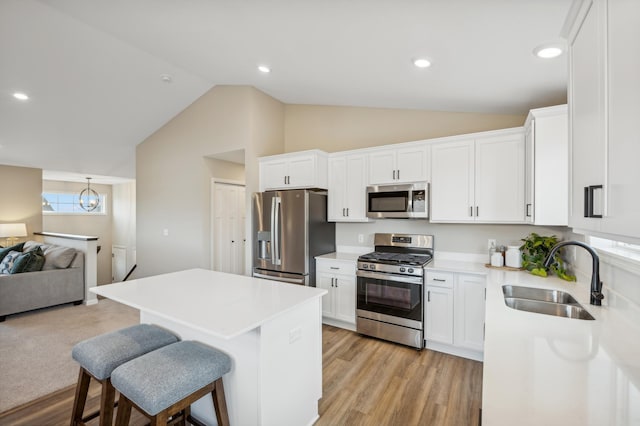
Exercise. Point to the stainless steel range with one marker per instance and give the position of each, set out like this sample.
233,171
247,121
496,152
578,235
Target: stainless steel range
390,288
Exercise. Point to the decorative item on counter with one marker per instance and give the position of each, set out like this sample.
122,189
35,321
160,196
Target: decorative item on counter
535,250
497,259
513,257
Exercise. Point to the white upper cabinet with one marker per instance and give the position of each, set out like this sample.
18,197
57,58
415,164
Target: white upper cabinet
604,40
305,169
623,180
397,165
453,181
587,116
347,188
479,179
547,166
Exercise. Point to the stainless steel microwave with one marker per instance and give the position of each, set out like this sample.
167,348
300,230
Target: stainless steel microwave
401,201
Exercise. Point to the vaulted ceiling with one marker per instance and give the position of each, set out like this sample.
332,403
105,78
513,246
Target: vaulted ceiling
94,68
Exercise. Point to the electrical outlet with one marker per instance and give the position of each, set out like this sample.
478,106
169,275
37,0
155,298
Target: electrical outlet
360,238
491,243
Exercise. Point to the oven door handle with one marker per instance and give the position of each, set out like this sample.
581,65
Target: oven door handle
389,277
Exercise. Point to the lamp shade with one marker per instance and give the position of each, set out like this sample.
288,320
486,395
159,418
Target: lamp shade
13,230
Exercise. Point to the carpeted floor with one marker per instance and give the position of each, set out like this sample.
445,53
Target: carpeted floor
35,348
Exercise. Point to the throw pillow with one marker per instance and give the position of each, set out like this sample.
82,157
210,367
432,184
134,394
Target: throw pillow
31,261
58,257
7,262
5,251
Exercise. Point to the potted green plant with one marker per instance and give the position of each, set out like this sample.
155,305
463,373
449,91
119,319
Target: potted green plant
535,250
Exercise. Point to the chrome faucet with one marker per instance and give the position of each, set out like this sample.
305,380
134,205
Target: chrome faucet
596,284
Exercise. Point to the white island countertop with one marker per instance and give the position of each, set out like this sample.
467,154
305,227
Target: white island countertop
546,370
222,305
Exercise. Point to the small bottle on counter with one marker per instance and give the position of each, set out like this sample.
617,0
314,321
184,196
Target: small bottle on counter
497,259
513,257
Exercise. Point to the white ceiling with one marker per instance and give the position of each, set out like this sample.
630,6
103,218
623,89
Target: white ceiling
92,67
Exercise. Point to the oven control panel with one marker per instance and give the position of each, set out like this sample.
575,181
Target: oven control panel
393,269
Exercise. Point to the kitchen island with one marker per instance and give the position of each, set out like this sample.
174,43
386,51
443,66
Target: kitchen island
271,330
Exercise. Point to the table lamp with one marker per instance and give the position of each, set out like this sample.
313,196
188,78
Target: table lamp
12,231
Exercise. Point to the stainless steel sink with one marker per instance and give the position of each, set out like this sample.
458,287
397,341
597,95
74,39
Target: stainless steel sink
543,301
545,295
549,308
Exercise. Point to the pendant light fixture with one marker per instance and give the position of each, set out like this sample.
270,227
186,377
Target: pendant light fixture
89,198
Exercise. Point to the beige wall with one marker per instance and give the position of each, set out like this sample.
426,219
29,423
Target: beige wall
336,128
94,225
225,170
21,197
173,175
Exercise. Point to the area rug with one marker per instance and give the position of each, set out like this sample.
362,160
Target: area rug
35,347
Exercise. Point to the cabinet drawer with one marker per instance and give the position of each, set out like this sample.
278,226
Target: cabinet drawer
333,267
440,279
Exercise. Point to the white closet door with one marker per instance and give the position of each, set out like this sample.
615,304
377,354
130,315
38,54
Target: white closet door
228,228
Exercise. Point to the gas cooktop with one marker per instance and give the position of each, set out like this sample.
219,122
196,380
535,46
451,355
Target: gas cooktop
396,258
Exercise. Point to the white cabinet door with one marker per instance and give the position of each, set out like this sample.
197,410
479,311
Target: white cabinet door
382,167
587,117
452,181
439,314
469,311
336,209
325,281
347,188
499,182
623,210
273,174
356,184
302,172
345,298
529,171
412,164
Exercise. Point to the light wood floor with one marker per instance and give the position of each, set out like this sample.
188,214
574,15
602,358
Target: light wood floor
365,382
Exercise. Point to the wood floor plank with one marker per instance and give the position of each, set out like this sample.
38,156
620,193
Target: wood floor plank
365,382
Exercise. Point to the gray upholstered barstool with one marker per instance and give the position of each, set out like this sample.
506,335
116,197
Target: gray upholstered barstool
164,383
100,355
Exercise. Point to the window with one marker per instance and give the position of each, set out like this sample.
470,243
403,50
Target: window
617,248
67,203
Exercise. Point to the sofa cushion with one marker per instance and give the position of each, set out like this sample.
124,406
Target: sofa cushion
5,251
8,261
58,257
30,261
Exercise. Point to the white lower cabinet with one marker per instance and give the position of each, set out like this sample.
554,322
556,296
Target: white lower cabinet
439,308
338,277
454,313
469,298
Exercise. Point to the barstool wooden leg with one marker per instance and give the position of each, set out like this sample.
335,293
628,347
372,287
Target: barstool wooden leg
220,403
82,388
107,398
124,411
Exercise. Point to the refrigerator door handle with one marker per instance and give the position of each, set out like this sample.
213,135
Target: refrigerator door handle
275,231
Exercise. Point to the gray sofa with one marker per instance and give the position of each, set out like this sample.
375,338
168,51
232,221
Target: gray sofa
51,286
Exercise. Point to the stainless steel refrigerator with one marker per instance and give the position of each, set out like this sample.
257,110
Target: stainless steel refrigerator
290,228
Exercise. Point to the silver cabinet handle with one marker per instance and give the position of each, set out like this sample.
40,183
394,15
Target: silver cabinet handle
394,175
347,211
528,213
398,174
477,211
334,267
429,296
471,211
439,279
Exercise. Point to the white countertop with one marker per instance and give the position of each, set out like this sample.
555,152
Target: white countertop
546,370
223,305
340,256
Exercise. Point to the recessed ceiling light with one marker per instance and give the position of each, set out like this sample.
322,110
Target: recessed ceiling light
21,96
422,62
263,68
548,51
166,78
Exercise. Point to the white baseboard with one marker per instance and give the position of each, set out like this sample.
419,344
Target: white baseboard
453,350
339,324
91,302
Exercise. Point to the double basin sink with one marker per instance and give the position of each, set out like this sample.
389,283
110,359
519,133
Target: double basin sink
544,301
